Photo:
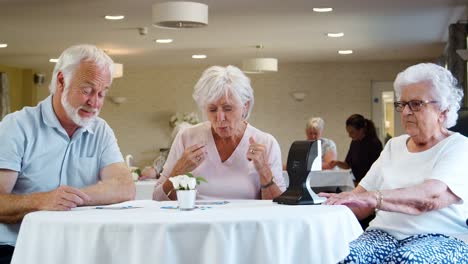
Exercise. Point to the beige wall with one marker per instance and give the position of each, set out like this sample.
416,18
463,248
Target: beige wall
15,80
29,88
22,88
335,91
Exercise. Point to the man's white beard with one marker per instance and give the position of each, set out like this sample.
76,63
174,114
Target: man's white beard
72,112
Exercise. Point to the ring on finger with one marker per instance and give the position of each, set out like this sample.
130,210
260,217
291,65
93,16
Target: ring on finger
252,151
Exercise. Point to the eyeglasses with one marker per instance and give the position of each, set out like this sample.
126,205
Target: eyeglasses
414,105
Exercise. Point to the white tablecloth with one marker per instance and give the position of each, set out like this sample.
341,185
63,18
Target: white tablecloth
238,232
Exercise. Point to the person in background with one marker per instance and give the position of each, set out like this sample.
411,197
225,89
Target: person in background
365,147
154,171
238,160
418,186
314,131
59,154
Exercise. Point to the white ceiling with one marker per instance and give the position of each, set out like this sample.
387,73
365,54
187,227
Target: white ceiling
37,30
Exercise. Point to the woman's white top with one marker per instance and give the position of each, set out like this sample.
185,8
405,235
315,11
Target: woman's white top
396,167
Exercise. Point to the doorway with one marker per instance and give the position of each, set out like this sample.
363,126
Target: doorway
386,120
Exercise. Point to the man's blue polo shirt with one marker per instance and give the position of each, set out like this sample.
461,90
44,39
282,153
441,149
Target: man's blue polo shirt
33,143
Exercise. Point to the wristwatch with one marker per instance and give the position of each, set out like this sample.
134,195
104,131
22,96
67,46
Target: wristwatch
268,184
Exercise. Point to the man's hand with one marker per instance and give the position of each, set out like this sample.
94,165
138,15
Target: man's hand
61,199
13,207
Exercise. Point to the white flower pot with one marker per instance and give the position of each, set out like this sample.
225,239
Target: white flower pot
186,199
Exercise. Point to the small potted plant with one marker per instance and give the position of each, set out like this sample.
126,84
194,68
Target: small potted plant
185,186
136,172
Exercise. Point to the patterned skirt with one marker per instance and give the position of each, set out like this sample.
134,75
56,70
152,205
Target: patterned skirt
376,246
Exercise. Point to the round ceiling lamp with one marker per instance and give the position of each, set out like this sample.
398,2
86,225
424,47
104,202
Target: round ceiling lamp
260,65
180,15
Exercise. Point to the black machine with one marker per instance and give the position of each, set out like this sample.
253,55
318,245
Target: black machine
303,157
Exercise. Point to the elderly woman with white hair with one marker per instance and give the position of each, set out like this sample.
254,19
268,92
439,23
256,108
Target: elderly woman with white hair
238,160
418,186
314,131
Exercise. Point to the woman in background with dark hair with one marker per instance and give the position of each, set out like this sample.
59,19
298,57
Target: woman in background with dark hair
365,147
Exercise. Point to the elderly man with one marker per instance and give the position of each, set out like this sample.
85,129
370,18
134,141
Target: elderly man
59,154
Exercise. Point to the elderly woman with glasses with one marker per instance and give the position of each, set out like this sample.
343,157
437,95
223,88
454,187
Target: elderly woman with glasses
238,160
418,186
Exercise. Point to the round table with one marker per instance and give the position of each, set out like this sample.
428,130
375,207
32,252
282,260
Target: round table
252,231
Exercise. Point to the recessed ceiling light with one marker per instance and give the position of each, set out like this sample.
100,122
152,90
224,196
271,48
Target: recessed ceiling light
345,52
53,60
335,35
322,9
114,17
163,41
199,56
3,45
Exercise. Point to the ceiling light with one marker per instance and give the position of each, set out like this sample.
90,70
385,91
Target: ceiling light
3,45
199,56
118,70
116,17
180,15
322,9
260,65
335,35
53,60
163,41
345,52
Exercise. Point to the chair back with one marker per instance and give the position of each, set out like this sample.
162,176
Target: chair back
462,122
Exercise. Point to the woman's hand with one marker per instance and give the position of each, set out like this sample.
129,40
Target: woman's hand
257,154
351,199
414,200
327,159
192,157
148,173
341,164
357,201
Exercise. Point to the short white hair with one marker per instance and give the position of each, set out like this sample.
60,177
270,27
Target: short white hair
441,83
71,58
315,123
218,81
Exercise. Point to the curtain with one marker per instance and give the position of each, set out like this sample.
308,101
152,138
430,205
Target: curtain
4,95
